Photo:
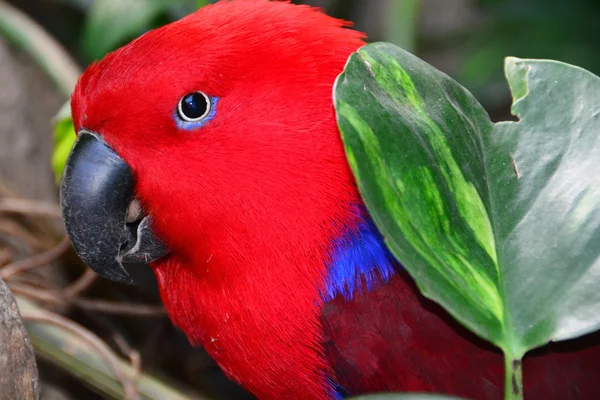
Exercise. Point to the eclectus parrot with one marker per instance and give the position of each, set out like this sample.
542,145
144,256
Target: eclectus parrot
209,149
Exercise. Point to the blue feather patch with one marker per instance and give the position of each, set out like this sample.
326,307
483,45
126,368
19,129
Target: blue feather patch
358,257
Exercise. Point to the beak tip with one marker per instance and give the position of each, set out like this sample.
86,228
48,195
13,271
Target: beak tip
119,276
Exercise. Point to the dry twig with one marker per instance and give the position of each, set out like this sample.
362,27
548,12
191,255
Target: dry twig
81,284
29,207
16,231
35,261
34,280
6,255
94,341
134,356
107,307
119,308
23,222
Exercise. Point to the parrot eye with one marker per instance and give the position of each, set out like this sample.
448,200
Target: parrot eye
194,106
194,110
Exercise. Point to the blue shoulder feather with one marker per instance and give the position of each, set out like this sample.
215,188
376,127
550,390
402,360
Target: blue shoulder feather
358,258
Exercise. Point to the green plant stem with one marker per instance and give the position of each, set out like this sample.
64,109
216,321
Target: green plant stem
513,381
23,32
402,23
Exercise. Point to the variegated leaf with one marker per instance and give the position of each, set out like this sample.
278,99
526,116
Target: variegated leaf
498,223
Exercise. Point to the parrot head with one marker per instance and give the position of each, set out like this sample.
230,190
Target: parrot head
209,149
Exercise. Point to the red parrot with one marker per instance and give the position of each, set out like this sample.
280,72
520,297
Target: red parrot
209,149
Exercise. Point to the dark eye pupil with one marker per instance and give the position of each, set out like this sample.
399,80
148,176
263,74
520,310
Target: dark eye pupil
194,105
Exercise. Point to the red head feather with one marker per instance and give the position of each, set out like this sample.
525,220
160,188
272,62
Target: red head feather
249,203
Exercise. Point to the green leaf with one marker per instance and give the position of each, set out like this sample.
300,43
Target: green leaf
111,23
498,223
64,138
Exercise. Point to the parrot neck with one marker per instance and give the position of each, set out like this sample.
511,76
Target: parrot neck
269,331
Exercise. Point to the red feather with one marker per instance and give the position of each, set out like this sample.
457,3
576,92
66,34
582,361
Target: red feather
409,343
252,202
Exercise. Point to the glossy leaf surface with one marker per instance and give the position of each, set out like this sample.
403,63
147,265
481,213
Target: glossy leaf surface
498,223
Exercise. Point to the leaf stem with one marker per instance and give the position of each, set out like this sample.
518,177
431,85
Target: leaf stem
402,23
513,381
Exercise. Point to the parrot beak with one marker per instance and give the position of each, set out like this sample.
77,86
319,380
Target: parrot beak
96,195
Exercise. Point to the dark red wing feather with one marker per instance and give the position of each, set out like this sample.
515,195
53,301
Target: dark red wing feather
394,339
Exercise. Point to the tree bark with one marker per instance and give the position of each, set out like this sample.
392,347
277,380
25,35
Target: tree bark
18,369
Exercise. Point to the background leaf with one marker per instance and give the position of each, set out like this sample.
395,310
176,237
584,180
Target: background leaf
23,32
110,23
64,138
403,17
557,29
500,224
547,213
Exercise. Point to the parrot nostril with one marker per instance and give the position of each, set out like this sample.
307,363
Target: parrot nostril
134,211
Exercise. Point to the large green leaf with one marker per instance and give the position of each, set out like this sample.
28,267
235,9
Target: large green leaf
498,223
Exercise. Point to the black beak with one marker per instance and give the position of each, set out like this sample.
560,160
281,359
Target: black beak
96,191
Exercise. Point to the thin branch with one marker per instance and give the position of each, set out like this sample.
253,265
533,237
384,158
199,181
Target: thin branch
118,308
36,261
35,293
29,207
107,307
6,254
112,361
134,356
81,284
16,231
33,280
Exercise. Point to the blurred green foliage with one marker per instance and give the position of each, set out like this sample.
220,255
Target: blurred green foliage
565,30
111,23
64,138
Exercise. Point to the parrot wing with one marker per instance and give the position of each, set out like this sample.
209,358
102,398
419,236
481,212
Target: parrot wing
381,334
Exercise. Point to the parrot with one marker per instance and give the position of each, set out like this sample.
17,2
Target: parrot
208,150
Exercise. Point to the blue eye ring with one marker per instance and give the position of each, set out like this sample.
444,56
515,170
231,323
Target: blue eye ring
194,110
